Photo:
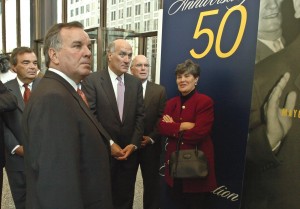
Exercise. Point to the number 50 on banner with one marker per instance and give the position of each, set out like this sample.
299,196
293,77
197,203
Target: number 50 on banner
200,31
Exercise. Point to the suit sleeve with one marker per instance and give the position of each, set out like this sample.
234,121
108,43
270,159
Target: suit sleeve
7,100
162,103
139,118
52,151
259,151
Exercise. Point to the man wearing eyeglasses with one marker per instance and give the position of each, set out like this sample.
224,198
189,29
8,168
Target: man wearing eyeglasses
148,156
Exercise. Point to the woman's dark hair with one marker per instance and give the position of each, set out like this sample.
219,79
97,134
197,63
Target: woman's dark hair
188,67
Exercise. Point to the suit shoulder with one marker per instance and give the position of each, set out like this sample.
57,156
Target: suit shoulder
10,82
94,75
156,87
132,79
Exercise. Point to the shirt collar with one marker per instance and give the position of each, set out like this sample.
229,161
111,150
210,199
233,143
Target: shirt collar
64,76
114,76
21,83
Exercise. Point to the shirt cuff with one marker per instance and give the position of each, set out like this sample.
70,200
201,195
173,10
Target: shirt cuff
111,142
152,141
276,147
14,149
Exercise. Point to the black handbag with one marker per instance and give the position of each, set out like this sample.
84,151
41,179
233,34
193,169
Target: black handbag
190,163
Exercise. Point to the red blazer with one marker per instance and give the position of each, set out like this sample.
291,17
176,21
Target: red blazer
199,110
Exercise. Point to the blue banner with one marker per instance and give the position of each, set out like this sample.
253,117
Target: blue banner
219,35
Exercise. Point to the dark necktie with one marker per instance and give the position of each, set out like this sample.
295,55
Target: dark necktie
120,96
26,94
82,95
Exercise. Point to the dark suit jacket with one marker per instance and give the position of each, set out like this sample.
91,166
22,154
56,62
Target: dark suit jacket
8,102
13,128
66,156
154,101
102,100
272,178
263,51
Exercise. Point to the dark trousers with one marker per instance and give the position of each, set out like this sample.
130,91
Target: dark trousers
186,200
17,183
149,161
123,176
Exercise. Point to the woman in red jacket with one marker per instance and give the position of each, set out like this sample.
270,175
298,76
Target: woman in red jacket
193,114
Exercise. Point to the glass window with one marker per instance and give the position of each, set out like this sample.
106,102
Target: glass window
137,26
113,15
11,31
121,14
25,22
1,46
147,25
113,2
137,9
128,11
81,9
77,11
87,8
147,7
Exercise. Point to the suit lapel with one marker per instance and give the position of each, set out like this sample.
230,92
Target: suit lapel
127,96
15,89
148,94
76,96
110,94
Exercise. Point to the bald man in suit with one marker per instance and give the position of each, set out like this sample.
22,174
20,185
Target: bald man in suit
124,122
149,154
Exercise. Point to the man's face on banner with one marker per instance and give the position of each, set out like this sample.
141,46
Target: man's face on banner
269,25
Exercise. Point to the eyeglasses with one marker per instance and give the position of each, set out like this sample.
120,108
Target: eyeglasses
140,65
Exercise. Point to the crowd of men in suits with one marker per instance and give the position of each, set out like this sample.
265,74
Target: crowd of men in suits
74,139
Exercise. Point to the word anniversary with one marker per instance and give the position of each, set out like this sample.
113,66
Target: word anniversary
183,5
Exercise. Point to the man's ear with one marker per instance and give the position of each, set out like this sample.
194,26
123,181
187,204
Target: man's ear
14,69
53,56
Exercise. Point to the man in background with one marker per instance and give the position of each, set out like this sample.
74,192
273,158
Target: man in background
149,154
66,153
24,63
8,102
269,38
116,98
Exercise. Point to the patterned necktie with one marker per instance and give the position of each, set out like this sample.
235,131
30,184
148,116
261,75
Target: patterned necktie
120,96
82,95
26,94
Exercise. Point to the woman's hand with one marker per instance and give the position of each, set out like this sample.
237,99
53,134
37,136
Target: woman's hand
186,126
167,119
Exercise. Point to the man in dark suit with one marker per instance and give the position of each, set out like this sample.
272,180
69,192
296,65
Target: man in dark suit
116,98
66,155
24,63
8,102
273,150
269,39
149,154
